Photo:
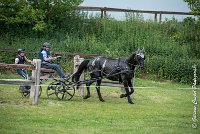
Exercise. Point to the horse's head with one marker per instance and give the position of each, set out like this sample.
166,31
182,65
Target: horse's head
137,58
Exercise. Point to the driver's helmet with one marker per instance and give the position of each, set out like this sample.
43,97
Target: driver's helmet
47,45
20,50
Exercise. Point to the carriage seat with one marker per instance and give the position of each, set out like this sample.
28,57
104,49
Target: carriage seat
46,73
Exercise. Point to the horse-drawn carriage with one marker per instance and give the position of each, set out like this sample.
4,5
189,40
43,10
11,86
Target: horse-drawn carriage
121,69
60,88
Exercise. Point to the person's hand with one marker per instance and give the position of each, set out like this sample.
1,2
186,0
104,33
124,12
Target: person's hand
54,58
58,57
32,62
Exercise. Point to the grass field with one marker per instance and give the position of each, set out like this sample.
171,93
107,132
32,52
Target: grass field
164,108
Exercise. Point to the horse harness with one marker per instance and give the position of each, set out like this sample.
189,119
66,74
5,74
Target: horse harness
117,67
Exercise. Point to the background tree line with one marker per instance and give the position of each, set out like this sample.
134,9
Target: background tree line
39,14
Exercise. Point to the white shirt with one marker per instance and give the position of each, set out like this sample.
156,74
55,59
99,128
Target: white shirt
44,53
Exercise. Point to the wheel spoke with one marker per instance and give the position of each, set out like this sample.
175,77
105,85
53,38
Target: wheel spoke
51,94
62,93
63,96
25,94
69,94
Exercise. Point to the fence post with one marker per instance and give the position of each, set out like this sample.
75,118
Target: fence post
101,13
77,62
36,82
160,18
155,17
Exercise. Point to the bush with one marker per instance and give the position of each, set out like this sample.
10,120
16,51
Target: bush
179,70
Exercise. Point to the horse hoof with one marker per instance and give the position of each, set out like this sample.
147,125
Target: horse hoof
122,96
102,100
86,97
130,102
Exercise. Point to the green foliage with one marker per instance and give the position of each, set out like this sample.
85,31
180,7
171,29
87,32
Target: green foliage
171,47
37,14
179,70
194,6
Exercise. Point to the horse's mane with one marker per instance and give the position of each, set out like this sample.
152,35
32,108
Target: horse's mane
109,58
130,58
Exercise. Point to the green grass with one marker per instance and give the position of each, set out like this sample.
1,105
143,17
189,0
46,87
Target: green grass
163,109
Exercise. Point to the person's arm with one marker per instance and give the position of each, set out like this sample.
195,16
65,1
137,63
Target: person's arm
28,60
54,58
47,58
16,60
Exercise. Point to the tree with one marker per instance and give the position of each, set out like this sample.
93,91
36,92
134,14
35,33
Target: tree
194,6
37,13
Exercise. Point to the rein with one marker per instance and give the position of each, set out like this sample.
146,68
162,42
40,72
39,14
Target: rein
100,78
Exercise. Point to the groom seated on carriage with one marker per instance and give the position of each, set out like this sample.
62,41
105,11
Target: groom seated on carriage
44,55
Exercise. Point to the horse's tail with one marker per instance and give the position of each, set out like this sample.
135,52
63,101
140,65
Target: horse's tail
81,68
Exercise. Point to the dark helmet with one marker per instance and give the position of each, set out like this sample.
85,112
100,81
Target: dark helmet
20,50
46,44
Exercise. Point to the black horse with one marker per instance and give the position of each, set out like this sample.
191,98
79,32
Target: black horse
121,69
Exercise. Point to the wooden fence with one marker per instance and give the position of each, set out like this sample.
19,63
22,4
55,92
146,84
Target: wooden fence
104,11
35,79
52,52
34,82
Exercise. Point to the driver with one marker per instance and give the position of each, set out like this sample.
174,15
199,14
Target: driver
47,59
21,59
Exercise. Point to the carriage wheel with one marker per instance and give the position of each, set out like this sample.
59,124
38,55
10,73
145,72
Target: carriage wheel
65,92
51,89
60,90
70,93
25,94
25,91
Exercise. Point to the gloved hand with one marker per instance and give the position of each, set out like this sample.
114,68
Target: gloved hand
58,57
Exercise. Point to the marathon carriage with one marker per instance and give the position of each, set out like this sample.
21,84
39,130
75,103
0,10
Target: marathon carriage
121,69
59,88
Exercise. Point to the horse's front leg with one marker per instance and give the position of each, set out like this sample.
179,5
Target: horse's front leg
130,84
98,90
127,92
125,83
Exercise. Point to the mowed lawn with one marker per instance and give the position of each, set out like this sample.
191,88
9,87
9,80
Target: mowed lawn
163,108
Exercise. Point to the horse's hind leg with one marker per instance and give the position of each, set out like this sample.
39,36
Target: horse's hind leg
88,90
98,90
126,89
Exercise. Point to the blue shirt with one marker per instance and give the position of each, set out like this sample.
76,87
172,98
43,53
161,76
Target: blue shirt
45,54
